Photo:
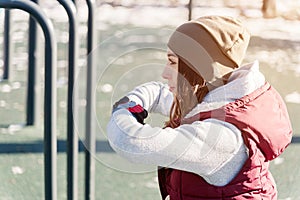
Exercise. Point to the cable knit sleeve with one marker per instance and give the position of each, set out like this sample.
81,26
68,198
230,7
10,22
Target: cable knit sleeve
207,148
153,96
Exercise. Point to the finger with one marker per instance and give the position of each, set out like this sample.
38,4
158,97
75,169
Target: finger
123,100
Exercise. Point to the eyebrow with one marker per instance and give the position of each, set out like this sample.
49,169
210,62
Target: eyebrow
171,54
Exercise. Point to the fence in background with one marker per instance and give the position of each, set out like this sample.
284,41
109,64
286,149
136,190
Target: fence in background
50,91
50,140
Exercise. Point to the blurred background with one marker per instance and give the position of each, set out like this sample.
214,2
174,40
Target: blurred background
131,37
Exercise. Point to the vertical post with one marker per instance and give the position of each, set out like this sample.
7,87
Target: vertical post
31,104
90,139
72,137
7,44
50,92
190,7
269,8
50,150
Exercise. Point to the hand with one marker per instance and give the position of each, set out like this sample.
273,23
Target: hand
136,110
123,100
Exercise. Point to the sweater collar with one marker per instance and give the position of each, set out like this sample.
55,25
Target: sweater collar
242,81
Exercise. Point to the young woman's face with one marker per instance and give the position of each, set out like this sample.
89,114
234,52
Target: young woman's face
170,72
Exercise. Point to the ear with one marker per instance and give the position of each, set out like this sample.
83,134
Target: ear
220,70
220,75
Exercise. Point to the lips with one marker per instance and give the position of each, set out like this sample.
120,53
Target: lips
172,89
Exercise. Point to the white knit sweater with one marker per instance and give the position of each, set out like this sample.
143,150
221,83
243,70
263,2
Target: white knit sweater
211,148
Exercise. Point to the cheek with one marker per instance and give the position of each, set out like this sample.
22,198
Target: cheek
169,73
174,76
166,74
175,73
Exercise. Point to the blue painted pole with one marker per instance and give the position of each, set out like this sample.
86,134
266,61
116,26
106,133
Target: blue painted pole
50,151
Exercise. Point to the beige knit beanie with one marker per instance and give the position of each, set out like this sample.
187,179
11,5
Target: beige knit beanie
212,45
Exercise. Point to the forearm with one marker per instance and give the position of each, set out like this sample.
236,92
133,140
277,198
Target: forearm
199,148
153,96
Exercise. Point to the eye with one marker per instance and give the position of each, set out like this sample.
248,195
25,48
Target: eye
172,62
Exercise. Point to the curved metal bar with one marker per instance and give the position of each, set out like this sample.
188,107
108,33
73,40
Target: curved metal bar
190,7
72,137
90,138
50,151
31,103
7,44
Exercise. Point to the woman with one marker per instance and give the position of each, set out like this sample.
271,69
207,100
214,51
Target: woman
226,122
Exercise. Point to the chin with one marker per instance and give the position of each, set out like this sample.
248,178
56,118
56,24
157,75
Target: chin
172,89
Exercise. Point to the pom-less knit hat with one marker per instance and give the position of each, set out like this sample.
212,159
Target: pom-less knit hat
211,45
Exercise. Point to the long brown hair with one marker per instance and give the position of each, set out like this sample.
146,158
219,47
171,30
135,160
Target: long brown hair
191,90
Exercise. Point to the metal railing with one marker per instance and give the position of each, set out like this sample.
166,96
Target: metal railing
7,44
72,137
50,141
90,137
31,99
50,152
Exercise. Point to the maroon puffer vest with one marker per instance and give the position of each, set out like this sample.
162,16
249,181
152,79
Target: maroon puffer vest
265,126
